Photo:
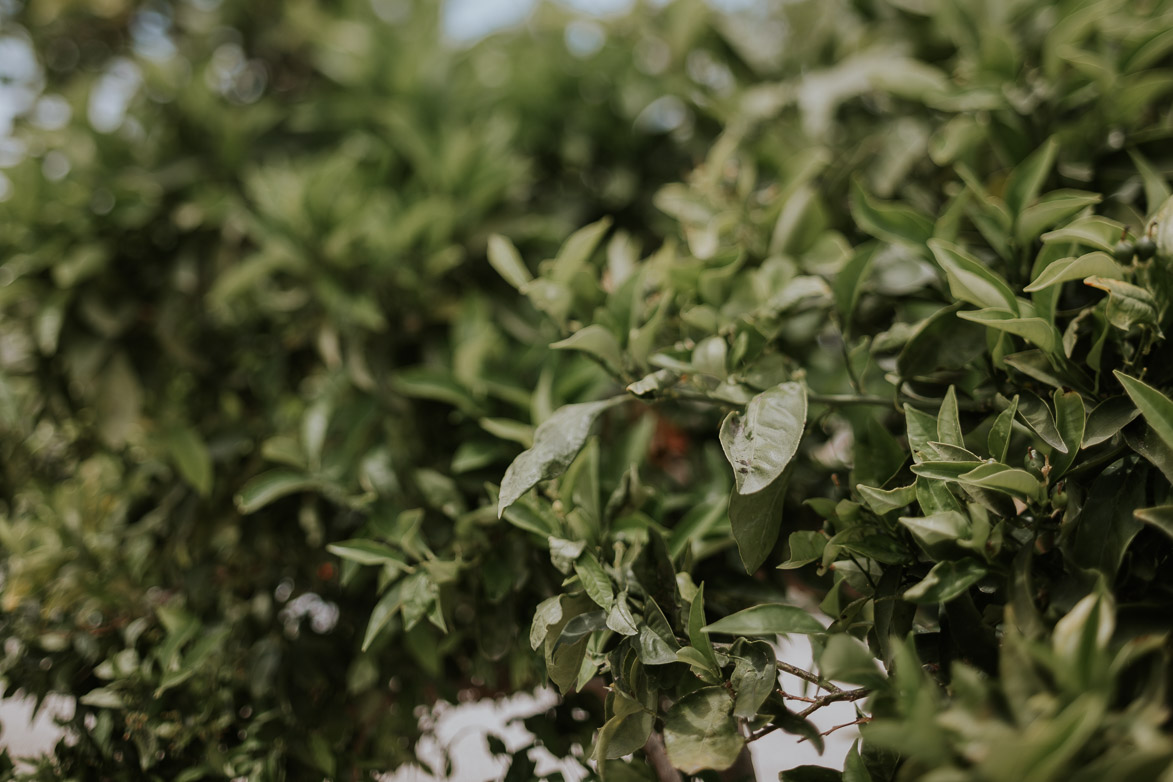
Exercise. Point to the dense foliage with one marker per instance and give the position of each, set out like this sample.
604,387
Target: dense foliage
863,340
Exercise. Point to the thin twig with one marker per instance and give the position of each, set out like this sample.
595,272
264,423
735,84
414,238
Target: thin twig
835,697
806,676
860,721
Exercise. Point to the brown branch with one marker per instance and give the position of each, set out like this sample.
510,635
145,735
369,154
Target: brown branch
806,676
834,697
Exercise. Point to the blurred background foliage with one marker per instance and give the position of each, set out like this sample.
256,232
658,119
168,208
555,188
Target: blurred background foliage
227,229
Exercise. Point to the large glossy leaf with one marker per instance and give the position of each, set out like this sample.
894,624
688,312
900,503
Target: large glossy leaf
768,619
701,733
755,520
1034,330
762,442
1093,264
1094,231
1108,418
556,442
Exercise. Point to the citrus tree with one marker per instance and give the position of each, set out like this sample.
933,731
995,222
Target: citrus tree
341,377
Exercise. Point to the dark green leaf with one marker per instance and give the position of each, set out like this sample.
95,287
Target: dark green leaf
755,520
1108,418
1160,517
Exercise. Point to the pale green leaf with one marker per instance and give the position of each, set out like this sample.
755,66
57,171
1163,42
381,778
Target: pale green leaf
767,619
761,443
556,442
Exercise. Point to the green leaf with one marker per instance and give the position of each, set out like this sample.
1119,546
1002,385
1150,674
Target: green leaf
761,443
595,580
1094,231
1070,421
949,421
1093,264
1105,525
938,533
970,280
507,429
268,487
556,442
368,552
505,258
1007,480
1156,408
1156,189
1107,418
1034,330
700,732
696,635
921,429
577,250
595,340
548,612
849,284
946,581
1128,305
191,458
754,678
624,734
1027,179
888,220
620,618
654,383
846,659
768,619
1037,415
1051,209
998,440
755,520
655,649
806,546
941,342
883,501
1160,517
